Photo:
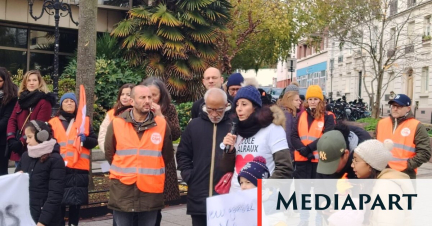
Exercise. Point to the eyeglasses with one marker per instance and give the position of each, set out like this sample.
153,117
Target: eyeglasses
395,106
233,89
215,110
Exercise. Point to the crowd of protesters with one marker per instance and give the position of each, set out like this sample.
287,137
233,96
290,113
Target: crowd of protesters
235,137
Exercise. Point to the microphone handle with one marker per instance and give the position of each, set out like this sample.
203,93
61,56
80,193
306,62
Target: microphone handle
233,131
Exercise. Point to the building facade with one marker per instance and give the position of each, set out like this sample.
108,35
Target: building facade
27,44
409,74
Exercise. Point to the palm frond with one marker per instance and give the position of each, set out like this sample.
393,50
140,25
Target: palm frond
123,28
181,69
164,17
149,40
131,41
170,33
140,12
195,4
195,17
206,51
197,64
204,34
155,66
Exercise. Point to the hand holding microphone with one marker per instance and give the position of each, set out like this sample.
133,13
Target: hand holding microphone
230,138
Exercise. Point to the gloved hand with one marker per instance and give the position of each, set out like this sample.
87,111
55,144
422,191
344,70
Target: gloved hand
15,145
305,151
83,137
311,156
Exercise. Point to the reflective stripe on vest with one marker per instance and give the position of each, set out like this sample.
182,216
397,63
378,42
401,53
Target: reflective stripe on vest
308,135
403,141
139,161
67,148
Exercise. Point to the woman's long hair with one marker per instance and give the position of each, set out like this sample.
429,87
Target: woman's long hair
42,85
287,102
319,111
118,103
10,90
165,97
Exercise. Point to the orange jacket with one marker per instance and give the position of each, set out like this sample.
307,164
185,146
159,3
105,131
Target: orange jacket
67,149
137,160
110,114
403,139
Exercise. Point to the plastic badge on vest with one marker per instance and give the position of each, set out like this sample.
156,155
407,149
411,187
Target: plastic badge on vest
405,132
320,124
156,138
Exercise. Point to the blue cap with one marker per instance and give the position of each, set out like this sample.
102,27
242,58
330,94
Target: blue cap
68,96
402,100
250,93
235,79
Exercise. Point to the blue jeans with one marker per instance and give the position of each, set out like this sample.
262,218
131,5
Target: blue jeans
147,218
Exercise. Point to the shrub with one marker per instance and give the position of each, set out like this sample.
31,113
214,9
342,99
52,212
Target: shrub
184,113
371,123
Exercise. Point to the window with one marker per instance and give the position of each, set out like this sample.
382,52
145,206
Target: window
393,7
13,60
411,3
425,80
340,59
427,27
392,38
13,37
411,32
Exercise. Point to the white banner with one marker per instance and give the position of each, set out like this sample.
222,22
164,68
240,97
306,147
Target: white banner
14,200
239,208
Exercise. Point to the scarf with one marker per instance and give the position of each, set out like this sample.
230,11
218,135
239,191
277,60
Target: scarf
1,94
248,127
67,116
43,148
29,99
353,141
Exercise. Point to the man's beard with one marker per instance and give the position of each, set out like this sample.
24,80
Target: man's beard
219,119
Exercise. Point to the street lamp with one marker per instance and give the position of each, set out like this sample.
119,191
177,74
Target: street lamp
331,77
57,6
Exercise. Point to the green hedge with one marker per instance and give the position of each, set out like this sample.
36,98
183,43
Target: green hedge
184,113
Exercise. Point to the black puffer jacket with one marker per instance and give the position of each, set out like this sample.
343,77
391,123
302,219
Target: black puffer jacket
46,186
77,181
194,155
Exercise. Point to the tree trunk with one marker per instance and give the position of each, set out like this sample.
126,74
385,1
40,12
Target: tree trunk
86,60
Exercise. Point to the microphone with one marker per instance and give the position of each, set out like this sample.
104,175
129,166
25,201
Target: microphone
233,131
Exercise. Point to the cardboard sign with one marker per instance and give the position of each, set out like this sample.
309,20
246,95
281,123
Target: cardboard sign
15,200
239,208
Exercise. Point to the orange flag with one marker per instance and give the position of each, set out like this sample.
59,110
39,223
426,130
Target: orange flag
80,122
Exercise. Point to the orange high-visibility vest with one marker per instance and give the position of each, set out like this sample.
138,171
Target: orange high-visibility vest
403,140
139,161
308,135
67,149
110,114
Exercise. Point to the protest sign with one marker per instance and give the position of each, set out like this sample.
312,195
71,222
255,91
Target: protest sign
14,200
239,208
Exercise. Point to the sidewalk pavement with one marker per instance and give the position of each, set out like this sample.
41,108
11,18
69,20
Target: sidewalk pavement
171,216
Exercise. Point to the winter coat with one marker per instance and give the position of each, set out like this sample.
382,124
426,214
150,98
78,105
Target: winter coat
421,142
128,198
307,169
171,191
388,186
76,188
5,114
41,111
289,123
103,128
46,186
194,156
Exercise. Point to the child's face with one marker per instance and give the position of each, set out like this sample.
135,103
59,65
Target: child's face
245,184
31,140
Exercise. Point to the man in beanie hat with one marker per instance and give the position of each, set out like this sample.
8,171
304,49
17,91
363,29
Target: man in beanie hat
412,144
234,83
252,171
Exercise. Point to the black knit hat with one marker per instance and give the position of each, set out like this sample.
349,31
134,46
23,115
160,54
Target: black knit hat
255,170
250,93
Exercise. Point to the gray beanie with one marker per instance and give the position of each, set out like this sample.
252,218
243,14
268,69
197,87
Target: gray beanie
375,153
292,88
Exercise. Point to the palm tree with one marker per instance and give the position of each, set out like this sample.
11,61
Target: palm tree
174,40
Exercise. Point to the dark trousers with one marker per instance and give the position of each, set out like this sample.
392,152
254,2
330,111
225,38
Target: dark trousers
199,220
74,215
4,161
147,218
159,218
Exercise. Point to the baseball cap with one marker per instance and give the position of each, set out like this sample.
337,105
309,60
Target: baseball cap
330,146
402,100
